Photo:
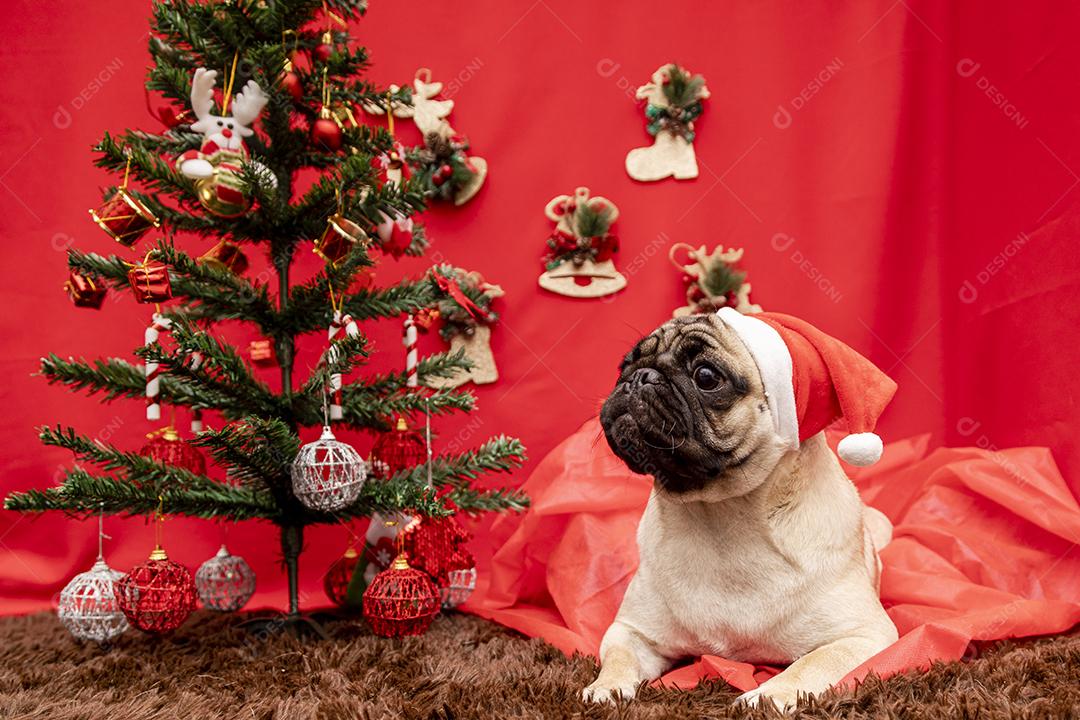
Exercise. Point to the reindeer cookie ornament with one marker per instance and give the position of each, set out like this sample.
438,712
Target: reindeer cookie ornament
443,163
673,101
712,280
579,262
217,165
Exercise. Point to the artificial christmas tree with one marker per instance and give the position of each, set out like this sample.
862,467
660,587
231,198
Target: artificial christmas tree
292,69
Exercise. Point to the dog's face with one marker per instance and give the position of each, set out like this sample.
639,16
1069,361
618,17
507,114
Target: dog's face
690,410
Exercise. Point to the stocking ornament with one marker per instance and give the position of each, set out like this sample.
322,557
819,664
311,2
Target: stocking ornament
673,101
578,262
712,280
216,166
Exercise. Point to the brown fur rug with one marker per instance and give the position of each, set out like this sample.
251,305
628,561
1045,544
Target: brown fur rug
463,668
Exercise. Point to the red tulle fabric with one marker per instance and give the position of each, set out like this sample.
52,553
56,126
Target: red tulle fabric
157,596
982,550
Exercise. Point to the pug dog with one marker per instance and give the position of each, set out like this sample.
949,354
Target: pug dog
750,549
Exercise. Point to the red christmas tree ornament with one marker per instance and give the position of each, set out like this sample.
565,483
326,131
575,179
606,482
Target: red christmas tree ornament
262,352
401,601
226,255
124,218
325,132
85,291
324,49
158,595
339,575
150,282
438,547
397,450
166,447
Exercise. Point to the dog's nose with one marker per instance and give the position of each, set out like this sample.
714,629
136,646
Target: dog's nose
645,376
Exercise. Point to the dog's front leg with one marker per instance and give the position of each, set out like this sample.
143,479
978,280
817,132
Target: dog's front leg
818,670
626,659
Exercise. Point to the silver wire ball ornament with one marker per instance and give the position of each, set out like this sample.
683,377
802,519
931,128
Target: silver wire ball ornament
225,582
328,475
88,607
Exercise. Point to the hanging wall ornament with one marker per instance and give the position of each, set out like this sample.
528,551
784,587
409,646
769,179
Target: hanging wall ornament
466,325
226,255
167,447
445,168
88,607
327,475
225,582
262,352
579,261
123,216
85,290
217,165
443,161
673,102
712,280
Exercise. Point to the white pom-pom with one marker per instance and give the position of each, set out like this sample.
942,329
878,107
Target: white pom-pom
860,449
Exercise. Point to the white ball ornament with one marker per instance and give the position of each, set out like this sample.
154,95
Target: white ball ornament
88,607
225,582
327,474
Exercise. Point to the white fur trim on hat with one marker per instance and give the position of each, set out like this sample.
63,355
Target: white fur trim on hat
860,449
773,361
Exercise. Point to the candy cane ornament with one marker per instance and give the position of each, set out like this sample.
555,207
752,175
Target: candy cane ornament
412,377
196,413
158,324
351,330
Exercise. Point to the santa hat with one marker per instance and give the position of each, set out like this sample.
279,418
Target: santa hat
811,379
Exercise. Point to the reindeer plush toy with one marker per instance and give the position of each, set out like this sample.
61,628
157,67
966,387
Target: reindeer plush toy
217,164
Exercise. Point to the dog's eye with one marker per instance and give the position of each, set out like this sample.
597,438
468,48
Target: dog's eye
706,377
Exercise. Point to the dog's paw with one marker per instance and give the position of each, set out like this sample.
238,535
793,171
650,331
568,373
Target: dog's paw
783,698
597,693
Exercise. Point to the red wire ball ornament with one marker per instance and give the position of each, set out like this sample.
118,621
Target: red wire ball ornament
401,601
438,547
166,447
397,450
339,575
158,595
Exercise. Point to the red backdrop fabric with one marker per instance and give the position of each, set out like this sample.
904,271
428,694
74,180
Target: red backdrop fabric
903,175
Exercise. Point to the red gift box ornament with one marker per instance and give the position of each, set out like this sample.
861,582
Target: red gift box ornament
85,291
150,282
168,448
262,352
